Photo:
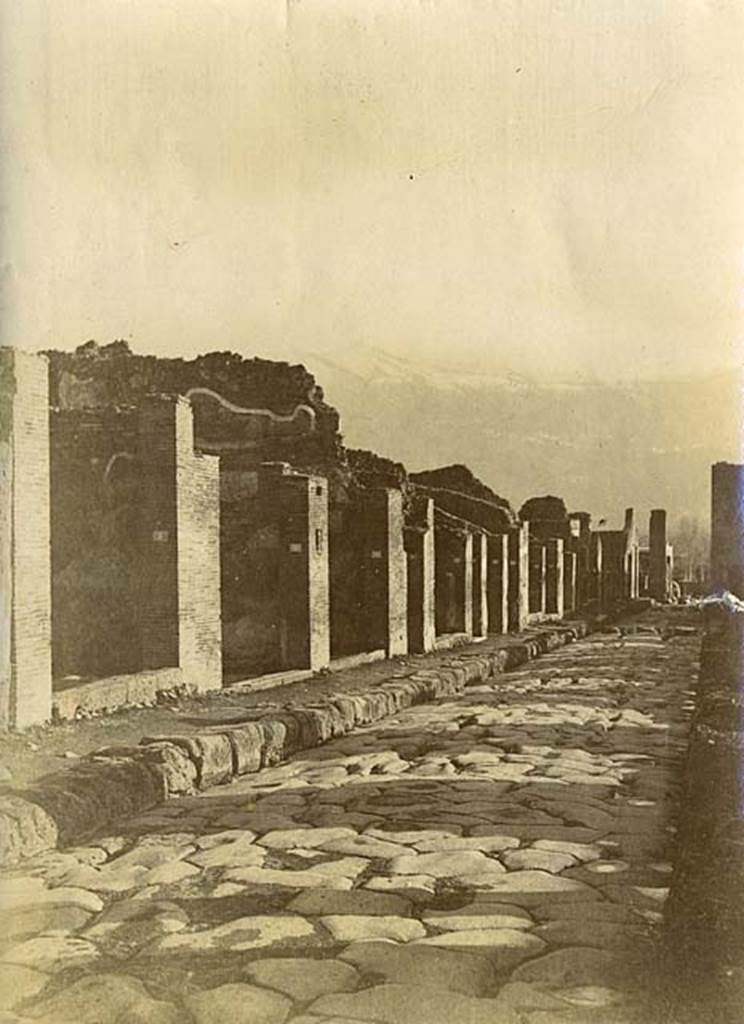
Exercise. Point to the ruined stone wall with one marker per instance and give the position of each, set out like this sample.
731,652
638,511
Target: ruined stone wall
547,517
456,490
273,411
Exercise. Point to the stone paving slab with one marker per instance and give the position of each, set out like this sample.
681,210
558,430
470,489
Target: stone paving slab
389,876
219,741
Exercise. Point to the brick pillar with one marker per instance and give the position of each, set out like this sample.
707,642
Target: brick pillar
25,564
454,581
519,572
498,583
569,581
657,555
480,584
300,504
385,585
180,546
727,528
537,572
596,568
419,544
632,568
554,577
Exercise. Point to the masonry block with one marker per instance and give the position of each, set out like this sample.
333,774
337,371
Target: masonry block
276,743
211,753
420,552
384,571
300,503
247,742
25,829
480,583
180,596
25,564
518,577
554,577
454,581
498,583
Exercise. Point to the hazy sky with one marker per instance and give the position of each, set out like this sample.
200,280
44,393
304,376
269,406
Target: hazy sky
554,187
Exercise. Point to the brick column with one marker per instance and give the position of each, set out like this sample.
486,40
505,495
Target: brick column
657,555
180,597
419,544
25,564
554,577
519,567
569,581
385,584
480,584
498,583
454,581
727,528
632,571
537,567
300,504
596,568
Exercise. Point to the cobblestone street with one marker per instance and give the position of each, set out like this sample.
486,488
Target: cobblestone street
501,858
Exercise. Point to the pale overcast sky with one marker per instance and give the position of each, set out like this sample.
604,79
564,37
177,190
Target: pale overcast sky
551,187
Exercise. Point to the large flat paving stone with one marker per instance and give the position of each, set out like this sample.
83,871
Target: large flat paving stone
530,886
238,1004
360,928
113,998
508,946
455,864
288,879
407,1004
476,915
233,852
431,967
315,902
303,979
51,953
18,983
285,839
572,966
253,932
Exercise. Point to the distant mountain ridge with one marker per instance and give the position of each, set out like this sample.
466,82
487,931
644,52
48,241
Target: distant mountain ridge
600,446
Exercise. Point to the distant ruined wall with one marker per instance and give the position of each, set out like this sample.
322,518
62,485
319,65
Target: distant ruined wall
457,490
547,517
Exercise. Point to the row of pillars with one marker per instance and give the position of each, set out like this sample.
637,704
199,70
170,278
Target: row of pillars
419,579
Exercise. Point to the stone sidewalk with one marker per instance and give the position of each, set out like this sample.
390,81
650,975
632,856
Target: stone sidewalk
498,858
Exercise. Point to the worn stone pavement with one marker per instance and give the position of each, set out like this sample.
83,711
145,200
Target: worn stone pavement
501,858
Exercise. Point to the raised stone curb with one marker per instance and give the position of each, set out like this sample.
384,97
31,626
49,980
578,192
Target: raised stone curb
117,782
704,926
